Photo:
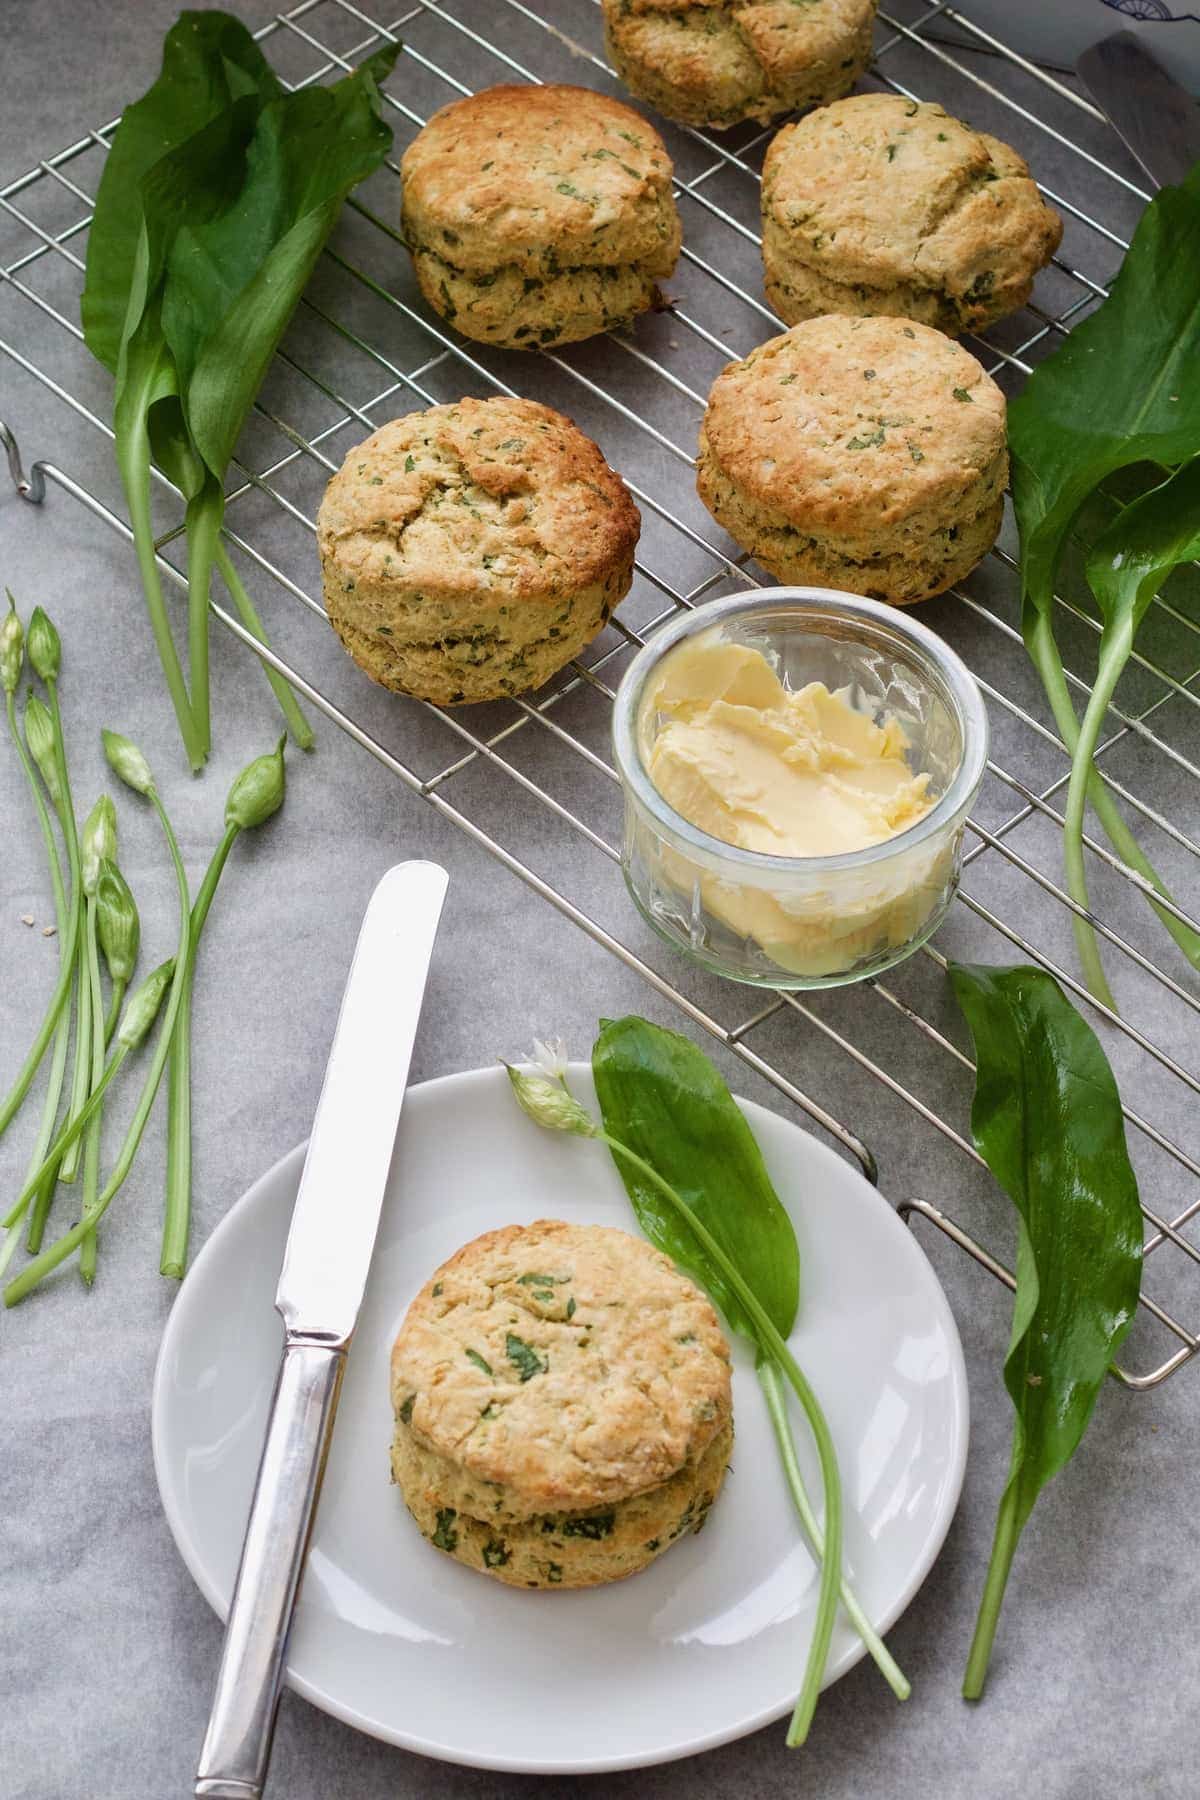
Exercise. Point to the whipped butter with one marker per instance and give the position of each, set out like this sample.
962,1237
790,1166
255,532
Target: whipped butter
794,774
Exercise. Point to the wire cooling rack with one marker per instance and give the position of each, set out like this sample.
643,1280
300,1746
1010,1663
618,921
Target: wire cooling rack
529,780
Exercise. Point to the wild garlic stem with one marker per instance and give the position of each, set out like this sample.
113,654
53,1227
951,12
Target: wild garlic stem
769,1381
62,1030
35,1271
298,726
133,457
114,1007
68,1135
1003,1546
177,1208
81,1081
205,511
91,1141
66,959
773,1341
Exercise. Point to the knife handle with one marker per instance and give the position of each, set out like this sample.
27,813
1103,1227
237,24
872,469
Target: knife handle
237,1744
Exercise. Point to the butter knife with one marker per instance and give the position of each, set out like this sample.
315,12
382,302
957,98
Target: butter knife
320,1290
1156,118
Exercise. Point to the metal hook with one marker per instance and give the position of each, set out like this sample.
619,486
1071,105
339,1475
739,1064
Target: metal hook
31,487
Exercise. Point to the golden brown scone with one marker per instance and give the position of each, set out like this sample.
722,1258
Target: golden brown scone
880,205
717,62
470,551
564,1549
607,1370
539,215
862,454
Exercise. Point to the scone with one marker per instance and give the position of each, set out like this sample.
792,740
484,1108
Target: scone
539,215
880,205
470,551
717,62
563,1405
862,454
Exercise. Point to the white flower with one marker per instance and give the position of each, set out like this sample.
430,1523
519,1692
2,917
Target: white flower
549,1103
550,1055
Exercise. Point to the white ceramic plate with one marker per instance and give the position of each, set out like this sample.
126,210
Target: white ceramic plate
708,1643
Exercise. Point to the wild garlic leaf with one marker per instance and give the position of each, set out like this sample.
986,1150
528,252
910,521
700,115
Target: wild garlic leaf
1047,1121
662,1097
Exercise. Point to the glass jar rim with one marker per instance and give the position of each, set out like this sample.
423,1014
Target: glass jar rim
928,652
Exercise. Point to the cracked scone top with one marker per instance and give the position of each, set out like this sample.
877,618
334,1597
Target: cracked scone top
717,62
539,215
470,551
568,1366
880,205
867,454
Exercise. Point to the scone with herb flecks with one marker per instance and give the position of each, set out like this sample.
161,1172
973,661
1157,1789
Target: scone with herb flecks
880,205
863,454
563,1405
470,551
539,215
717,62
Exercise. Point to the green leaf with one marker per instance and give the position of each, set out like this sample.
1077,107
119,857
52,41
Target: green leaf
662,1097
523,1357
1120,390
1127,564
1047,1120
209,61
234,278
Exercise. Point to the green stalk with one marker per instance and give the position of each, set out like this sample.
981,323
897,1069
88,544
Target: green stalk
177,1210
205,511
1004,1545
66,964
91,1142
35,1271
133,460
772,1341
81,1082
298,726
62,1030
768,1380
1044,654
114,1007
68,1135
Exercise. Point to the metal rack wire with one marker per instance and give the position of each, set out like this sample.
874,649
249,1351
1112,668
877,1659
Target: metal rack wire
364,348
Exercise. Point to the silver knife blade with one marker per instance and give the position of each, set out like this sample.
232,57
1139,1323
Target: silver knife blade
1157,119
337,1209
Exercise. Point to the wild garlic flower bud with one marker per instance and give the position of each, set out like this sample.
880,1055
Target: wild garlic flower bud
39,735
45,645
257,793
141,1009
12,648
118,925
549,1104
127,761
99,841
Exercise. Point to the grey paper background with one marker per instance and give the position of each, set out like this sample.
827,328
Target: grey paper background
107,1652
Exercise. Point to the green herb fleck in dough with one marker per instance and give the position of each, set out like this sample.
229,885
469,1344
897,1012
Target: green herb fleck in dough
495,1554
872,442
868,374
917,455
891,152
524,1357
406,1407
446,1537
962,394
533,1279
492,1410
474,1356
568,187
600,1525
786,380
410,463
553,1573
571,1307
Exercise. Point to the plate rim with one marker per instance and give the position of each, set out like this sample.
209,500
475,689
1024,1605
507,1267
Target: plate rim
337,1708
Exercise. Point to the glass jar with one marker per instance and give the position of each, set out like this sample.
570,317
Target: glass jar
811,921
